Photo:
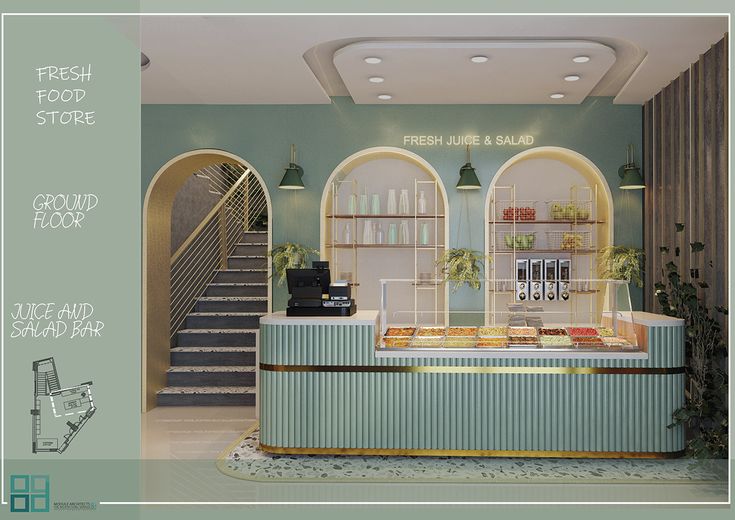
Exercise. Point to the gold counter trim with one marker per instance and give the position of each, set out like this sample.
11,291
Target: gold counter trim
474,453
470,370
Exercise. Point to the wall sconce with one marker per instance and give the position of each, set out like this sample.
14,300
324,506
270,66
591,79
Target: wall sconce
630,173
292,178
467,177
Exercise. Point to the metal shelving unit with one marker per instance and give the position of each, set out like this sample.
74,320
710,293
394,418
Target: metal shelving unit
432,250
582,258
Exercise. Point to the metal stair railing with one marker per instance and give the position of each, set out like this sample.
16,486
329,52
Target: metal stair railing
207,248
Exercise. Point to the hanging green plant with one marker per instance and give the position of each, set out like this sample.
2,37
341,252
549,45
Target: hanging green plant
462,266
289,256
622,263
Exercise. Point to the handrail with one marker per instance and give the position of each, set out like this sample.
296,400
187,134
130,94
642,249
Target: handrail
209,216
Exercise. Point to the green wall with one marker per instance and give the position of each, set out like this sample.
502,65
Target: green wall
327,134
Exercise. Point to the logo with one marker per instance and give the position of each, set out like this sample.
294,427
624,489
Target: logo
29,493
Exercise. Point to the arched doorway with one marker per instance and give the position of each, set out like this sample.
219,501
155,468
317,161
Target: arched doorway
157,251
573,197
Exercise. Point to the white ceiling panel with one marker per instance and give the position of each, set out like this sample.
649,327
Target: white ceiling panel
442,72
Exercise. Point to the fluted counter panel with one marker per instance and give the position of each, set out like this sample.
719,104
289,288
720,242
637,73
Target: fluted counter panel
324,391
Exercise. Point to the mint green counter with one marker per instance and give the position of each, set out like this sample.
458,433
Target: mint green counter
324,389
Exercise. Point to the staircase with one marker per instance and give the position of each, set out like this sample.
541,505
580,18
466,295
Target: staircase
213,354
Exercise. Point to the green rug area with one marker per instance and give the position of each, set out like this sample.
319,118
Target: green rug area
244,460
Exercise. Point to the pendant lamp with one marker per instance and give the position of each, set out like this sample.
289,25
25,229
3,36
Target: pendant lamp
467,176
630,173
292,179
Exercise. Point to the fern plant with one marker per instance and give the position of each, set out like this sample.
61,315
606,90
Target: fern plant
622,263
462,266
289,256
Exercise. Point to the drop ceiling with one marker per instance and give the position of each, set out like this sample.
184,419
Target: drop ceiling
306,59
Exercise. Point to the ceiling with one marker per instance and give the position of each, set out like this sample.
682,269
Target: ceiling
306,59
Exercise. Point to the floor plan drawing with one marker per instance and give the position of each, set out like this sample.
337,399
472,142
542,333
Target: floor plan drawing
58,414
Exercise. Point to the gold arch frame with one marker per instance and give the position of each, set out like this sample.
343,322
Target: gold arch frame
156,290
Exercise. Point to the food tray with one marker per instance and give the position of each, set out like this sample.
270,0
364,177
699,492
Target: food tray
485,332
492,343
462,331
615,341
400,332
555,341
519,241
569,210
605,332
569,240
427,342
519,210
582,331
396,342
585,341
459,342
431,332
514,332
552,332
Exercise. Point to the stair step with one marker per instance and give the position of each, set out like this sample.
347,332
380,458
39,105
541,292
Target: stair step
239,304
223,320
249,237
238,289
214,375
251,248
206,396
215,338
213,356
247,262
240,276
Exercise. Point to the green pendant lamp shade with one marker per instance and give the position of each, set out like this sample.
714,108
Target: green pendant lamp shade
292,179
630,173
467,176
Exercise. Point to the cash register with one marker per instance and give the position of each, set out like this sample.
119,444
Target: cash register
314,294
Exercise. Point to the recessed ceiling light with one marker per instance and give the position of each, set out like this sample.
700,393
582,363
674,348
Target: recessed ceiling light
572,77
372,60
556,95
384,97
581,59
478,59
376,79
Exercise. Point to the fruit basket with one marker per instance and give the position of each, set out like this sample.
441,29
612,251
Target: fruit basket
518,210
517,241
569,210
569,240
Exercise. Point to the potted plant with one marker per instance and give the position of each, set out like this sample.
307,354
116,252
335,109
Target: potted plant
289,256
462,266
622,263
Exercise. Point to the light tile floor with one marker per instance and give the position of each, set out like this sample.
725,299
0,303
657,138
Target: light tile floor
192,432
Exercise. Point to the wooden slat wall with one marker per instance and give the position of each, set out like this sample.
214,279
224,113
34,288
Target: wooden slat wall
685,166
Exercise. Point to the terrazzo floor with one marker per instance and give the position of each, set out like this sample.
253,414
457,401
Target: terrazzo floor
244,460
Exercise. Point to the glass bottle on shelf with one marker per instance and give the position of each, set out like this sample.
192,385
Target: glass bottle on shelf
347,234
352,204
424,240
392,234
363,204
379,234
421,203
392,207
375,204
403,208
404,235
367,232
